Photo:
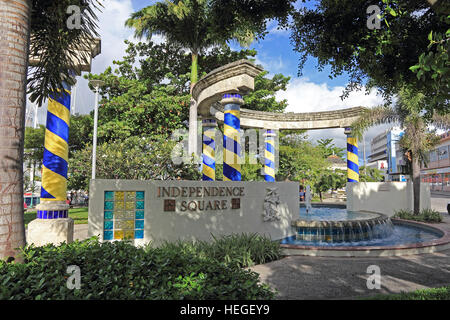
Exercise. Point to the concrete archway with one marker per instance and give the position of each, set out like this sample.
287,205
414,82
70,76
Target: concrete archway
219,96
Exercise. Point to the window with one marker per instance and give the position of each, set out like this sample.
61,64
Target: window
433,156
443,153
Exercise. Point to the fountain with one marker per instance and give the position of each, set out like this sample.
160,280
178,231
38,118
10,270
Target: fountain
308,198
331,230
346,228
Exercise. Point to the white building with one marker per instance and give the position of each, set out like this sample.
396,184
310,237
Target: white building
387,156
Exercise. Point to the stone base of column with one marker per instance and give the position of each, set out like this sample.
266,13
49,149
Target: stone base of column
52,226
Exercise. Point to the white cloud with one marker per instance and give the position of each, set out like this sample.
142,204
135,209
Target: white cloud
111,26
272,64
305,96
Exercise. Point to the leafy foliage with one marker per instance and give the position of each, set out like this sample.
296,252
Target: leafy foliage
300,160
442,293
338,36
329,180
237,250
330,148
425,215
140,158
417,141
263,97
367,174
34,144
148,92
55,44
122,271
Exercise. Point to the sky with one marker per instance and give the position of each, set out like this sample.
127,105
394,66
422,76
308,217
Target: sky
313,91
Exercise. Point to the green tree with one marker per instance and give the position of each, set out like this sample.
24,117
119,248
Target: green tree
300,161
34,144
147,93
329,148
33,154
263,97
202,24
338,36
138,158
81,131
417,140
370,175
51,41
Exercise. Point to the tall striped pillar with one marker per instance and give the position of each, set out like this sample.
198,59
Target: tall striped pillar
231,138
209,149
352,157
56,151
269,156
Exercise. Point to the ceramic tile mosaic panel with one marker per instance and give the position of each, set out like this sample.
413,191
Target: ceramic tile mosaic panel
124,215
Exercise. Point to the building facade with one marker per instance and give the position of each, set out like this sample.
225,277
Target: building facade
437,172
387,156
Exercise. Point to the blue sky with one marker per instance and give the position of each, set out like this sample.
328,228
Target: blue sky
276,53
312,92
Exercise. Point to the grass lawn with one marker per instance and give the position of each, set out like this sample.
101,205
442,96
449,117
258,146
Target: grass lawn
442,293
79,216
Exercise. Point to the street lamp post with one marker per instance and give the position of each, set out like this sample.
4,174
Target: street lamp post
96,84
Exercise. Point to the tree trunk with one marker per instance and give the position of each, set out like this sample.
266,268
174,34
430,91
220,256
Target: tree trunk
14,40
416,184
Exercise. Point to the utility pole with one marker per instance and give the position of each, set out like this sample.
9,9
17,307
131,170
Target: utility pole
96,84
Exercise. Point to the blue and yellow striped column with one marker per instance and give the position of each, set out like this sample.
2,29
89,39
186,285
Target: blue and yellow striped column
352,157
209,149
231,139
269,156
56,153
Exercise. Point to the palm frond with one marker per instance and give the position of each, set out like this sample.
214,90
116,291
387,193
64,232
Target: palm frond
374,116
56,44
441,121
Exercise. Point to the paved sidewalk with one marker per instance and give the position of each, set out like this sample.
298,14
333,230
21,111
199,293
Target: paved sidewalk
301,277
80,231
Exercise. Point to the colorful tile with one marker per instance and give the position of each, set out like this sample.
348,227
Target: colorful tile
140,205
139,214
107,235
120,205
109,195
109,215
125,224
108,225
128,234
140,195
139,234
120,195
119,215
118,234
109,205
124,215
139,224
129,214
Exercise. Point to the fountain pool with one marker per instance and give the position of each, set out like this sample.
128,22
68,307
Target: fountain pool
328,228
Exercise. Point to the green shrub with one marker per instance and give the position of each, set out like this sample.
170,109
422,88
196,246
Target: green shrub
431,215
237,250
119,270
442,293
426,215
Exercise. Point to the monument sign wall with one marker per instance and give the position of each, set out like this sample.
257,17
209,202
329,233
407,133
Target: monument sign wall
156,211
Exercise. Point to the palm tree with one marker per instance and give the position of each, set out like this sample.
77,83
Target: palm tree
202,24
417,140
53,41
189,23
